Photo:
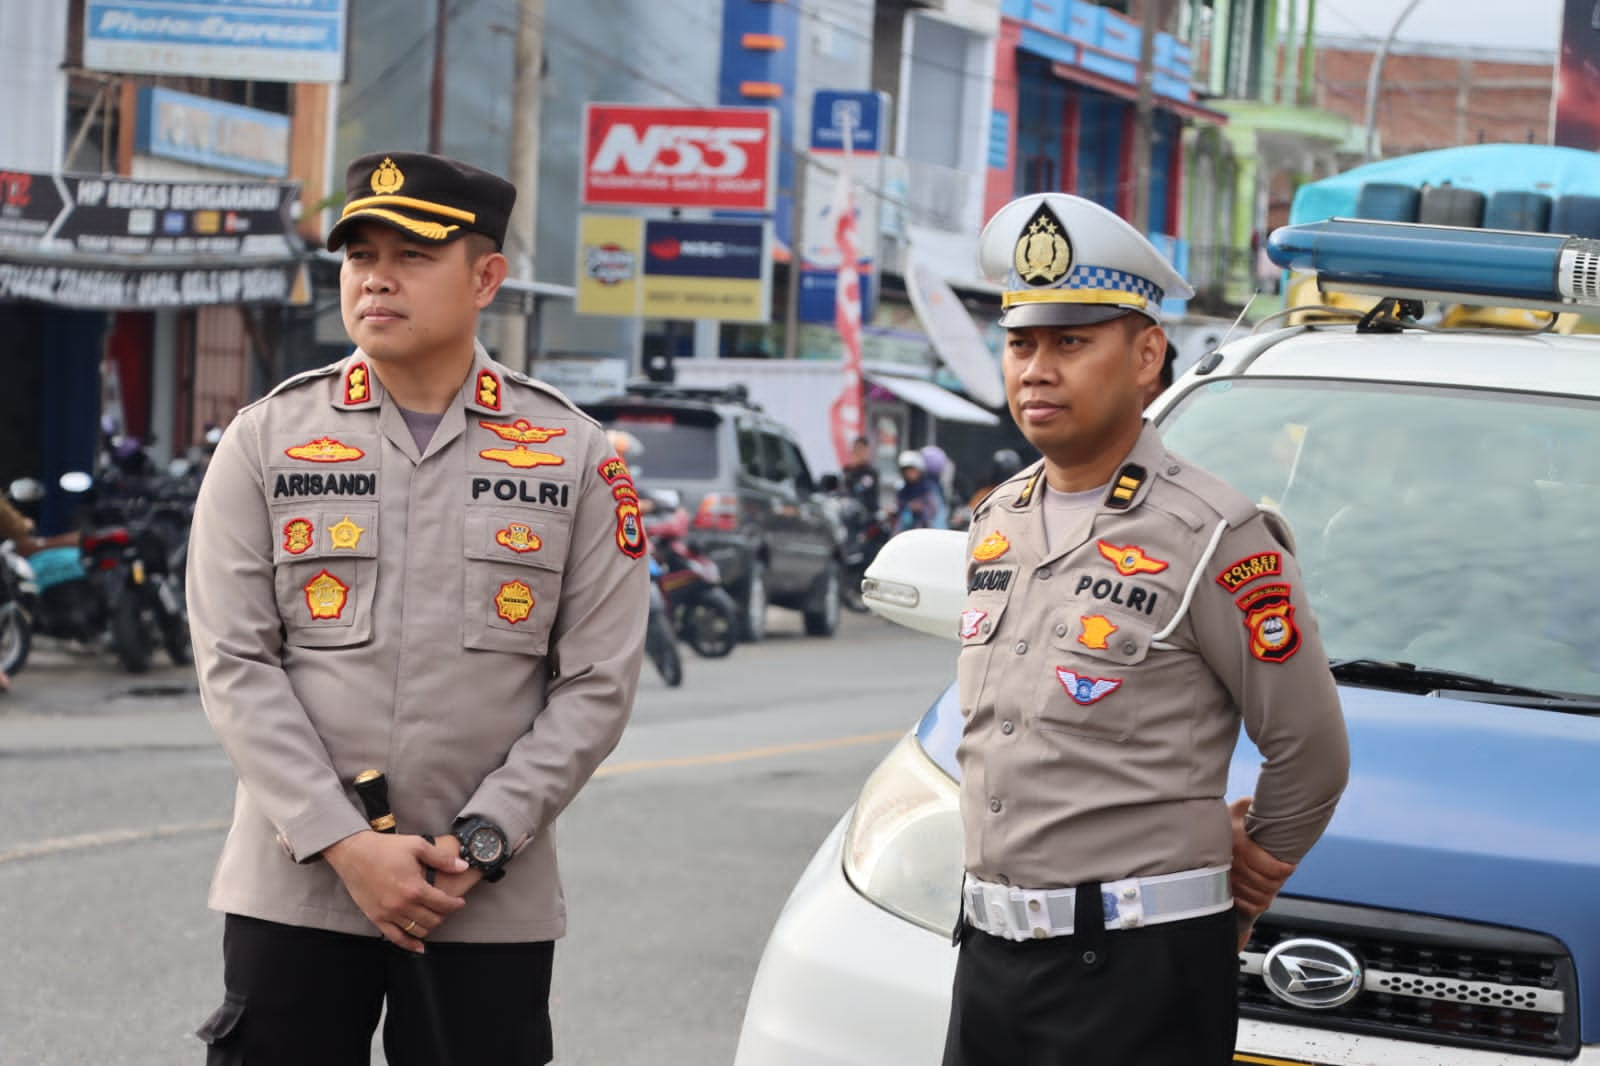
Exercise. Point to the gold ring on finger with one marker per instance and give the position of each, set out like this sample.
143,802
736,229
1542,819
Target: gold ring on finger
409,926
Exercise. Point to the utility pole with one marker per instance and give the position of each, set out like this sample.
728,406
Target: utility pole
1150,24
441,15
1375,78
522,232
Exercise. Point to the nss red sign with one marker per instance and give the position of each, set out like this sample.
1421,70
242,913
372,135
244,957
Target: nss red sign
705,157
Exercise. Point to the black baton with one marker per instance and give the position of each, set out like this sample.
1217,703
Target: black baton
373,788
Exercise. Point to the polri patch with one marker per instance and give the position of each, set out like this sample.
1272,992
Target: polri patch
326,595
1236,576
522,431
324,450
1086,690
519,538
630,528
514,601
357,387
521,457
297,535
1269,618
488,389
1130,560
613,468
971,619
991,547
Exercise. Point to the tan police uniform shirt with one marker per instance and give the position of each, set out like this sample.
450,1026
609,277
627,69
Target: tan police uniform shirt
469,620
1103,682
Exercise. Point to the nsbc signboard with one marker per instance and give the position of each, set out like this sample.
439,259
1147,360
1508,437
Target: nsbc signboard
719,158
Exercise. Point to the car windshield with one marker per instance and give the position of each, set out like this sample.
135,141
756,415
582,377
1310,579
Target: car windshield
1449,528
674,449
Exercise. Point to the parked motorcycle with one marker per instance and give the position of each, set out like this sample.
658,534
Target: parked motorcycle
865,535
704,615
660,643
16,631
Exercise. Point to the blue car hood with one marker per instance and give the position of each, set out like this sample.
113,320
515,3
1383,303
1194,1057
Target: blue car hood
1455,808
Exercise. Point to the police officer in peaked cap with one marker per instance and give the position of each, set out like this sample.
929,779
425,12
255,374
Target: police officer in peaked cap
418,562
1127,612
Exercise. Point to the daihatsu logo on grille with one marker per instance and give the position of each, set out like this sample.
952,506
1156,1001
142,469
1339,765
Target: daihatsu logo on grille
1312,973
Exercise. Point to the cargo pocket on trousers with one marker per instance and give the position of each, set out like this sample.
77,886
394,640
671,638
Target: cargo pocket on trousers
222,1032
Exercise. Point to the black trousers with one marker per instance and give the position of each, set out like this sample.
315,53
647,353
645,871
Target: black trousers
1161,995
307,997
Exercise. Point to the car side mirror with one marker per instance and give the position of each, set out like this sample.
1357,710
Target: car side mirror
26,490
917,581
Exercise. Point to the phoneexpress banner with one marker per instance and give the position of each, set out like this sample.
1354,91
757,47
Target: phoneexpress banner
719,158
664,268
260,40
104,243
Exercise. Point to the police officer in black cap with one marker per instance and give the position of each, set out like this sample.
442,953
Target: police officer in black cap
419,562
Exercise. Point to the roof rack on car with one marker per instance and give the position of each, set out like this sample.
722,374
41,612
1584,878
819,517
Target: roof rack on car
736,393
1453,264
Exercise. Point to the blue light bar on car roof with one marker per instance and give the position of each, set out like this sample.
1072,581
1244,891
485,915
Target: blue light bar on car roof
1541,270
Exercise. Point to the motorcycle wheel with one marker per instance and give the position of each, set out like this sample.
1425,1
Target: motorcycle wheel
130,638
174,621
663,651
16,639
712,628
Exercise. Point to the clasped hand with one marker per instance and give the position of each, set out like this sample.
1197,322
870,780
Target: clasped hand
386,876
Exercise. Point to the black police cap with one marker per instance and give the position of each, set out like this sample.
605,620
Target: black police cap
427,197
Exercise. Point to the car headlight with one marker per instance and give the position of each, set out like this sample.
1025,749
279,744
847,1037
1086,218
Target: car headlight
903,849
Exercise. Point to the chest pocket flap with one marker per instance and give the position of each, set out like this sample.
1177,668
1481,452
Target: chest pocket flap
514,563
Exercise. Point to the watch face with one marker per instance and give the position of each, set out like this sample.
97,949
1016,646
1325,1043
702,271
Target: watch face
485,845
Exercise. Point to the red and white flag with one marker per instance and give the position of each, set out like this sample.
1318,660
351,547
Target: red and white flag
845,416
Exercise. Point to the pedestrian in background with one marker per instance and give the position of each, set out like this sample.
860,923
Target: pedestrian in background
417,561
1127,610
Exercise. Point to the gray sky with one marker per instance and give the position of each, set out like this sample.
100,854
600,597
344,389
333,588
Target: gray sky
1535,24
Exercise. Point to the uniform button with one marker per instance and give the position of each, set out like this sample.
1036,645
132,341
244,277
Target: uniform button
1089,958
1129,647
1061,630
994,806
1007,728
1043,573
986,627
1022,647
1173,470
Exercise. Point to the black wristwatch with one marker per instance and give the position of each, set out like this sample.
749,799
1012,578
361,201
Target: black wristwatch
483,845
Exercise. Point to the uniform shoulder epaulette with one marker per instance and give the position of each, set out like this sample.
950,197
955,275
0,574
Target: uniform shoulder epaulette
551,391
295,382
1009,490
1208,490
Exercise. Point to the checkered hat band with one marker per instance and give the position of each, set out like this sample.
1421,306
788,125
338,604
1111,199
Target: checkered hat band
1093,277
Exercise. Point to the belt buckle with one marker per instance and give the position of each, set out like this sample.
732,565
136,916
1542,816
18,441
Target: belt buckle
1124,903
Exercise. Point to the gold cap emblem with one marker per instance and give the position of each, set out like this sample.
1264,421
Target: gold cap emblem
1042,255
387,178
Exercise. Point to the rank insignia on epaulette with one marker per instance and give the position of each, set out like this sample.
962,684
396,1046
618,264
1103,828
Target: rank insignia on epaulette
1025,497
488,389
357,386
325,595
1126,484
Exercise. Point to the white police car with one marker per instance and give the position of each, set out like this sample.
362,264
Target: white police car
1444,487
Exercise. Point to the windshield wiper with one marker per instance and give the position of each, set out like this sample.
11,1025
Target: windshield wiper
1409,677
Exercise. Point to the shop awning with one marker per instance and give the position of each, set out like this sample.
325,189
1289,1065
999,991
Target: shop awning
1068,72
938,402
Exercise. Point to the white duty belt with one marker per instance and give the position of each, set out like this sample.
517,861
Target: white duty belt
1034,914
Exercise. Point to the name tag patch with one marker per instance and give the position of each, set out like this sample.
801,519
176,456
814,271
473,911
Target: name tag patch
990,579
325,485
543,493
1134,598
1262,564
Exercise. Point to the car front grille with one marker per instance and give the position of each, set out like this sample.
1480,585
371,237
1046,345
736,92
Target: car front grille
1426,979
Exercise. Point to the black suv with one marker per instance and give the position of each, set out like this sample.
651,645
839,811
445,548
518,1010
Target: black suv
754,507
